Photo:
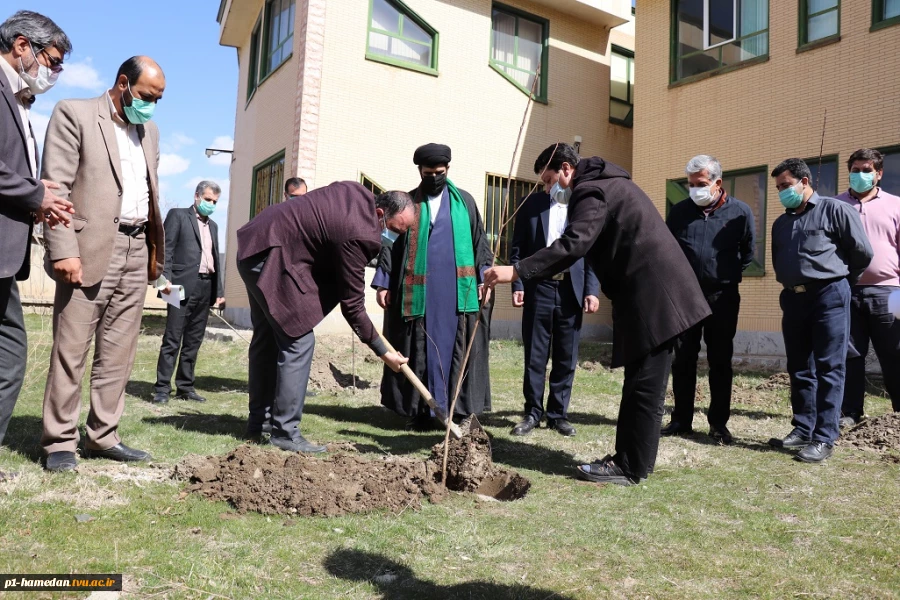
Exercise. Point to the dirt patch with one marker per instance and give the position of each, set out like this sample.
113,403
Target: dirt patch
273,482
331,372
778,381
881,434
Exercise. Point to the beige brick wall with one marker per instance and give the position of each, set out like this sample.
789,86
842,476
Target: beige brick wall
762,114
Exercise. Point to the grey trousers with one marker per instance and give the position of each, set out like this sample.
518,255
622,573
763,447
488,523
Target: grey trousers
279,364
13,350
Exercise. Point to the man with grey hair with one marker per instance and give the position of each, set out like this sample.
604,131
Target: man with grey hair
32,49
717,234
191,268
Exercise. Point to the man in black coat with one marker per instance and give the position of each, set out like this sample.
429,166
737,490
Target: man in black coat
717,234
553,311
192,261
654,293
29,65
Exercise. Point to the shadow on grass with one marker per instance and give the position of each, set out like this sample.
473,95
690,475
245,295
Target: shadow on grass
203,423
376,416
703,439
24,436
144,390
395,581
509,418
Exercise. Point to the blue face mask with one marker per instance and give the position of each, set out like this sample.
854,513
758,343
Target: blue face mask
206,208
790,197
862,182
388,237
140,111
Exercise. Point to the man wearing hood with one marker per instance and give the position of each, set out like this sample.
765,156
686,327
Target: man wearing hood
429,283
642,270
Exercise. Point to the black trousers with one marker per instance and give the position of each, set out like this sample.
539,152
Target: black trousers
279,364
185,328
13,350
718,331
870,319
640,414
551,328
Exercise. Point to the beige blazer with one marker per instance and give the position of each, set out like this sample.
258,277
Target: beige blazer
81,155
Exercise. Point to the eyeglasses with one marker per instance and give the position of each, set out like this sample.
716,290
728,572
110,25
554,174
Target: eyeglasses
56,64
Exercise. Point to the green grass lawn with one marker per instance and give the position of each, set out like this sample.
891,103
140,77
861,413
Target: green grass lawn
742,521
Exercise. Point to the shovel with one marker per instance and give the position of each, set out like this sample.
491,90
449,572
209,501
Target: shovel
429,399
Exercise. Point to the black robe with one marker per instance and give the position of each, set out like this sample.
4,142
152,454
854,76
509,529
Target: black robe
408,335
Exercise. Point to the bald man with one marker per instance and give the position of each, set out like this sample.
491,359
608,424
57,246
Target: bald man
104,154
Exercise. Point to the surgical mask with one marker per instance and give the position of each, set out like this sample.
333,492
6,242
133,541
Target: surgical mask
702,196
44,80
862,182
790,197
206,208
140,111
388,237
560,194
432,185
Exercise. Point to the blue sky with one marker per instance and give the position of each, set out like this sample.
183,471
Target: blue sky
198,107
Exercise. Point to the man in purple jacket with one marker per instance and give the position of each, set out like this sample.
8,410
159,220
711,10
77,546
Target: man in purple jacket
299,259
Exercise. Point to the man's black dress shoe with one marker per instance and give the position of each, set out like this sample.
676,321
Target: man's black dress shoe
720,434
160,398
525,426
815,452
851,420
794,439
192,396
119,452
60,461
676,428
298,445
605,471
562,426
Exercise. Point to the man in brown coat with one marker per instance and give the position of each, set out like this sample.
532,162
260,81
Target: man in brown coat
104,154
299,260
642,270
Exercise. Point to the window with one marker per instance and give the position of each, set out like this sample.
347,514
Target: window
519,49
268,179
271,42
400,37
819,20
885,13
824,178
621,86
748,186
890,181
370,184
495,198
711,35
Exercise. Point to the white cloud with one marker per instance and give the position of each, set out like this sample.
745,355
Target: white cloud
223,142
176,141
172,164
82,75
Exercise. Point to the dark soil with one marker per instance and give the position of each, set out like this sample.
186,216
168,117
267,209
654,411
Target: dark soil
273,482
881,434
778,381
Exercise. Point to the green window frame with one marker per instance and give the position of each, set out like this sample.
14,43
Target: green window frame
723,36
510,48
278,35
885,13
735,183
820,22
825,180
619,103
495,198
395,44
370,184
890,181
268,179
253,66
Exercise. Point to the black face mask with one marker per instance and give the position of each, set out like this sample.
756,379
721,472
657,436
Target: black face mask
432,185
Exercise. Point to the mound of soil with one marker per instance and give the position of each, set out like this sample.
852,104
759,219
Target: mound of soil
881,434
274,482
778,381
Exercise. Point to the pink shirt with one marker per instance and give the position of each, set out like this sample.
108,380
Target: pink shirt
206,257
881,220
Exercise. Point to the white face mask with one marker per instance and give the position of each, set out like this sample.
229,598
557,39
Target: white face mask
560,194
701,195
45,79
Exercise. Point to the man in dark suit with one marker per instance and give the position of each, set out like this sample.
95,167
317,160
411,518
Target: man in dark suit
642,270
299,259
192,261
551,320
32,49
